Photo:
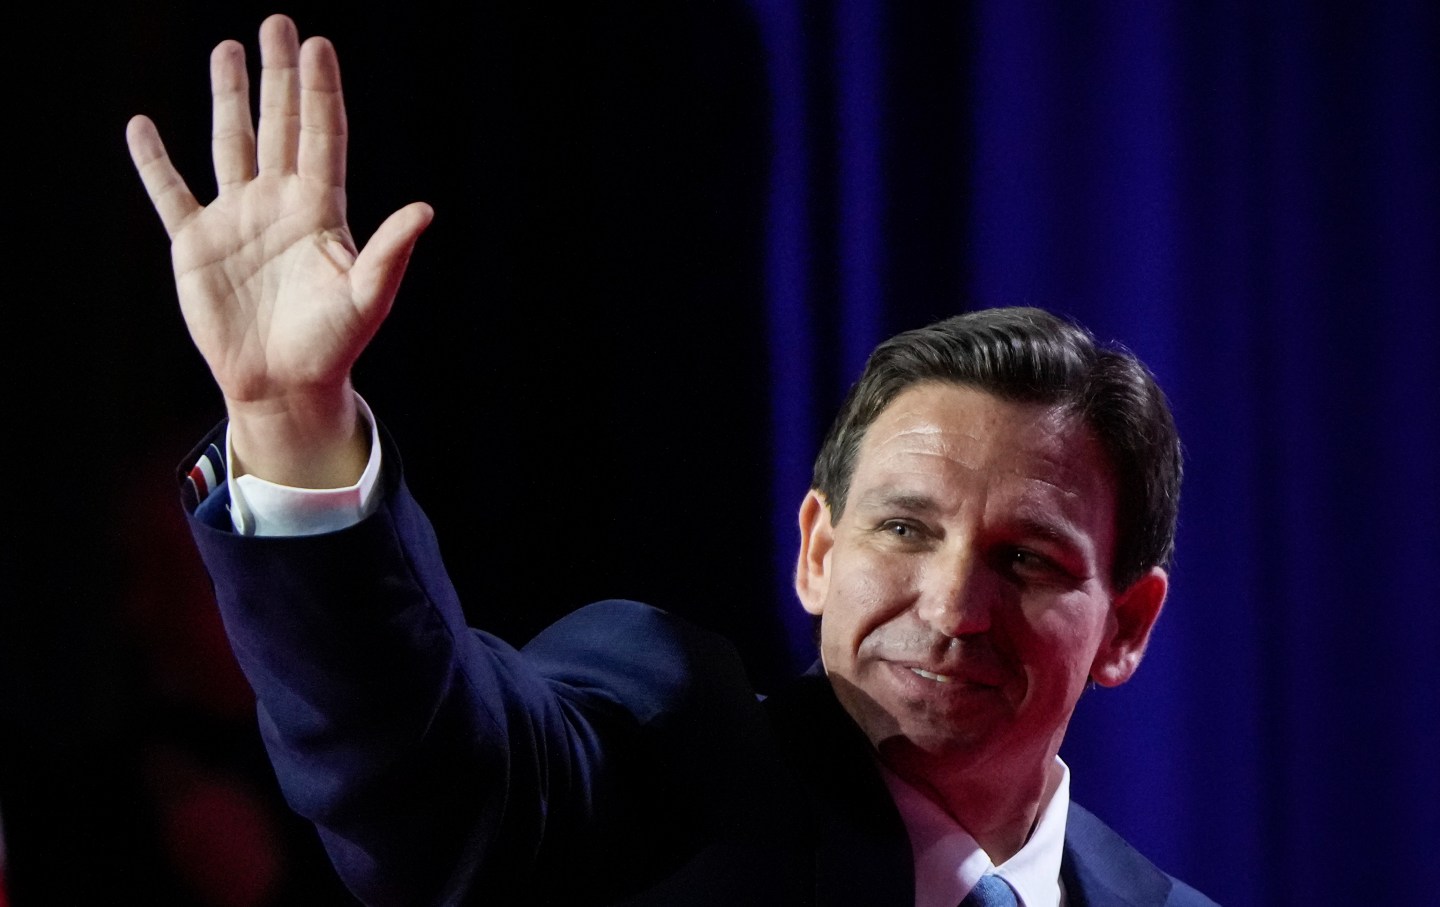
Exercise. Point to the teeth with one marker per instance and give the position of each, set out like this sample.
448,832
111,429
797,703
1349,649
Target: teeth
928,675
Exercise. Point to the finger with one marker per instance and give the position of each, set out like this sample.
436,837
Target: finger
168,193
232,133
279,129
322,115
375,276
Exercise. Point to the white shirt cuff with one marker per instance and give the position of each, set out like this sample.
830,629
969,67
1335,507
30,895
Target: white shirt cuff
262,508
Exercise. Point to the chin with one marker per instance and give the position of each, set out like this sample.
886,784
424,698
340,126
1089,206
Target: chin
933,745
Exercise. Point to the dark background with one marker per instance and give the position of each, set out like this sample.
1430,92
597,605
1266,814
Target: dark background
666,234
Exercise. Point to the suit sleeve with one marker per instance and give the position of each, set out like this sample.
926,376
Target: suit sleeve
435,760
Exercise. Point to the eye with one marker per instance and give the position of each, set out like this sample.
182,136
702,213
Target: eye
905,531
1026,565
1023,557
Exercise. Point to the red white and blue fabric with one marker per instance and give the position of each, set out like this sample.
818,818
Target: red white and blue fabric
208,473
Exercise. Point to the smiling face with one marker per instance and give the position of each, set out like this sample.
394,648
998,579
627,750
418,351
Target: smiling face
964,594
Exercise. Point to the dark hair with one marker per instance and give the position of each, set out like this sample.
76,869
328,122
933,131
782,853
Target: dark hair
1031,356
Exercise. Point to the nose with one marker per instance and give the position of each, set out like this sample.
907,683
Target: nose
957,597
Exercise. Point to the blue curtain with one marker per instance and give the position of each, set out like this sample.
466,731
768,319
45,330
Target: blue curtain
1245,195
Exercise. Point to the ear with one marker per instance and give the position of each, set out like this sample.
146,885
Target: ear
1132,616
817,538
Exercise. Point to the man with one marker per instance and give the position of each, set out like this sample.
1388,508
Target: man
987,533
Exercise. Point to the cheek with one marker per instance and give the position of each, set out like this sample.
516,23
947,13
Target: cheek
1062,637
873,592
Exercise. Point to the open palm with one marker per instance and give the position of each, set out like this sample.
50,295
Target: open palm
276,295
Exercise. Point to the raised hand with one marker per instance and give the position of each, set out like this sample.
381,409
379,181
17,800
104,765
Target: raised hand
275,293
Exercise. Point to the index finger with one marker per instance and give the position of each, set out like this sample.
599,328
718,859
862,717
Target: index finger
323,131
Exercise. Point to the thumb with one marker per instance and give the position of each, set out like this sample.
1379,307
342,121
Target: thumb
375,276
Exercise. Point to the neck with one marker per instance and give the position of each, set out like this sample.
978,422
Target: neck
998,810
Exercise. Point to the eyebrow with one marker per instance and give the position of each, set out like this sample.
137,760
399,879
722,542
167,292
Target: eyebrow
1059,532
1047,529
894,499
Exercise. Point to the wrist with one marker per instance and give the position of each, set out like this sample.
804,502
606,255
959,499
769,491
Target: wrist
301,440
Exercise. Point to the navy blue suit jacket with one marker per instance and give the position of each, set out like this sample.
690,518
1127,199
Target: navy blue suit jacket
620,757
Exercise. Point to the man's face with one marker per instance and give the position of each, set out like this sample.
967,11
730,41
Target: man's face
965,595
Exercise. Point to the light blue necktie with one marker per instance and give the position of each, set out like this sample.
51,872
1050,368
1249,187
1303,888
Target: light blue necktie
990,891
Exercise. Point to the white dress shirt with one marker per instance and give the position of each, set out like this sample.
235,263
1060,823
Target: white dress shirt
948,861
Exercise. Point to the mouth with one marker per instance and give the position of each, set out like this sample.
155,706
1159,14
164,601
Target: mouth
955,678
931,675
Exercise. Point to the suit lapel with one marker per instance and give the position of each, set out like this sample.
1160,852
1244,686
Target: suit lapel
1100,870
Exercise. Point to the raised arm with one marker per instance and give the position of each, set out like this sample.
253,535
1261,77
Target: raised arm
276,294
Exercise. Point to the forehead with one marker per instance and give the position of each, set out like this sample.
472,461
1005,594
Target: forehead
938,439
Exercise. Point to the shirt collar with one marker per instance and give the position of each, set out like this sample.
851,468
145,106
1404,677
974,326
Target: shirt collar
948,861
